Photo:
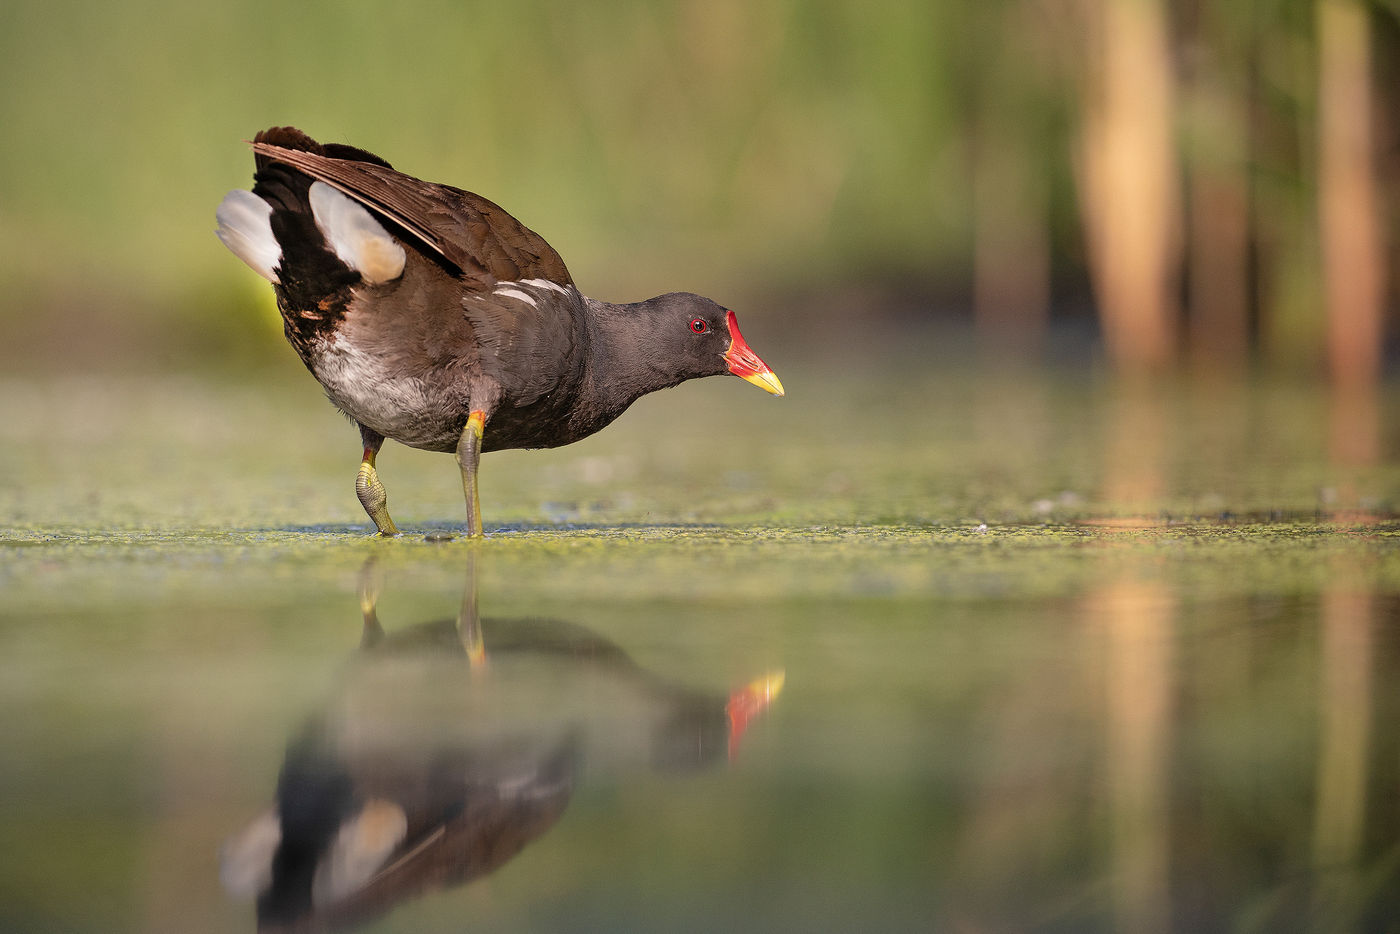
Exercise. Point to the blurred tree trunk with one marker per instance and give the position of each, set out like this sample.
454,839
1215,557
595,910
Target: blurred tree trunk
1218,318
1216,112
1350,233
1347,194
1128,183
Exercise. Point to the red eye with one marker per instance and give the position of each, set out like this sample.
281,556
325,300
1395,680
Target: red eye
699,325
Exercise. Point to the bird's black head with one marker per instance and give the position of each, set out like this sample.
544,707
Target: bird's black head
703,339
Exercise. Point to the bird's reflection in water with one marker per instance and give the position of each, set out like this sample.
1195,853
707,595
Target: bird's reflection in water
447,748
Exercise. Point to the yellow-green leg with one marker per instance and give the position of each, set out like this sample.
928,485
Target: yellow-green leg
468,457
370,490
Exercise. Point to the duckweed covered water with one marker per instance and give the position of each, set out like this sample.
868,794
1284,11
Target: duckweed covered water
1053,656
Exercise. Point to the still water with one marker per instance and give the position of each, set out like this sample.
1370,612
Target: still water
1117,685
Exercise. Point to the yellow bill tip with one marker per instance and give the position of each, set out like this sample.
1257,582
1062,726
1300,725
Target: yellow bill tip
766,380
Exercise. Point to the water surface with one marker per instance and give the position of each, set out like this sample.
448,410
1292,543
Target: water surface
1053,656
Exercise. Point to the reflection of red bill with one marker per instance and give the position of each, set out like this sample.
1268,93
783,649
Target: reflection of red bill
748,702
744,363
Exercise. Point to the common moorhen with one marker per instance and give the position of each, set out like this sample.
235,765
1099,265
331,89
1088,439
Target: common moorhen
433,317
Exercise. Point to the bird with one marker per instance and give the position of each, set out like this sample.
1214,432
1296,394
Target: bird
432,317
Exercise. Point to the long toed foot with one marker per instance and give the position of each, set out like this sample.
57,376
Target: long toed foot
370,490
468,457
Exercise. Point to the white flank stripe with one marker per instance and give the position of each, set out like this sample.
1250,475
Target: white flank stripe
355,236
246,229
545,284
516,293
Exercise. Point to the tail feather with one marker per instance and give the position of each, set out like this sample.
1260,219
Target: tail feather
245,227
321,240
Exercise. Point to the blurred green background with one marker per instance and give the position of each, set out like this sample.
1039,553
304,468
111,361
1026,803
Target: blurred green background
1067,649
811,163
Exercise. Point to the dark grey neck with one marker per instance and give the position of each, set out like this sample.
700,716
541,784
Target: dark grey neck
623,365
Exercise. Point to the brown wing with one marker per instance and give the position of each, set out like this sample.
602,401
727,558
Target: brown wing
470,232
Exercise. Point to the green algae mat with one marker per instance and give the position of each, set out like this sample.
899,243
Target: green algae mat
902,651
